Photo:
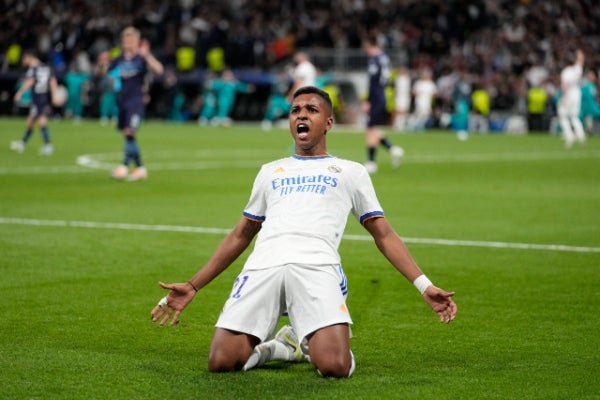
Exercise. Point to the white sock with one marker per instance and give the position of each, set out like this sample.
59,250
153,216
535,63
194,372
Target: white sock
279,351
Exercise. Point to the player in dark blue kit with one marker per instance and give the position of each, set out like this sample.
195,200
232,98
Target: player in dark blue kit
375,106
42,82
131,66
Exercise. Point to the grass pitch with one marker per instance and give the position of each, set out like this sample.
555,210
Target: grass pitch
511,223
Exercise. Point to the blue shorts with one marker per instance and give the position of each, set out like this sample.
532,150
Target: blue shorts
39,106
378,115
130,116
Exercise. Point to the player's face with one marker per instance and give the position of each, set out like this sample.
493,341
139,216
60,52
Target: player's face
27,60
310,120
130,42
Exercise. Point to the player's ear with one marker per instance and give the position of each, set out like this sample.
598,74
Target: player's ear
329,124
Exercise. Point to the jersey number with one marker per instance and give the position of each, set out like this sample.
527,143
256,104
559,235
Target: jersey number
238,285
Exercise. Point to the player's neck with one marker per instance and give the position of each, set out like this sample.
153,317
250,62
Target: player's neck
311,153
129,53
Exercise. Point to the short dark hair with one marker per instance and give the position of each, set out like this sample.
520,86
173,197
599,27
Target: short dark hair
29,52
315,90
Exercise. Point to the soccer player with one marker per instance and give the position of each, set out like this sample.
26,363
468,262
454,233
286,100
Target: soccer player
569,104
278,104
424,91
225,90
132,66
590,109
40,79
402,98
304,73
298,210
375,106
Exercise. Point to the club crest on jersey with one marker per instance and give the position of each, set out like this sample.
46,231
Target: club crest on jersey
334,168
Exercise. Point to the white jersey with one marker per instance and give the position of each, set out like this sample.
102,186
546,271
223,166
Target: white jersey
306,73
402,88
424,91
570,80
304,203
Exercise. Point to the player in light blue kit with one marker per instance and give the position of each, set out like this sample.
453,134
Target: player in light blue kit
42,82
298,207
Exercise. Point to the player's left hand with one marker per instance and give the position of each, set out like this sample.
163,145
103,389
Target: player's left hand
172,304
441,302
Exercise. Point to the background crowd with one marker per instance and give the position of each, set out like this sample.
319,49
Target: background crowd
504,47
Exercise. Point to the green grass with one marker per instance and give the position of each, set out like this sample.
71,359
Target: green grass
76,300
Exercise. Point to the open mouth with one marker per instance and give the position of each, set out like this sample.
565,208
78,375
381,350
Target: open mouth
302,130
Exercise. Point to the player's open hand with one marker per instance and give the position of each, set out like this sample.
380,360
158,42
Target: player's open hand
441,302
171,306
144,49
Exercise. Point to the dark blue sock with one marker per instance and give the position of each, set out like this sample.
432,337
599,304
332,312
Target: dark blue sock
26,135
46,134
385,143
371,153
132,151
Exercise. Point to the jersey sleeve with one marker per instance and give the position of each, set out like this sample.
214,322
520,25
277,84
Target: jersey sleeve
30,73
257,206
365,204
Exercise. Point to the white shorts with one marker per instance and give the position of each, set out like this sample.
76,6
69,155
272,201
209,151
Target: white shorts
313,296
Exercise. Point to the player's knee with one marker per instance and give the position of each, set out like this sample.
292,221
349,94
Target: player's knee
220,362
339,366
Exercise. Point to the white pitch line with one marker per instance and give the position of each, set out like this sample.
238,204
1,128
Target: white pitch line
87,163
36,170
220,231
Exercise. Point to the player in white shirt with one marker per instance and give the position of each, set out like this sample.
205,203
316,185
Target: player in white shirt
424,91
569,104
402,98
298,210
304,74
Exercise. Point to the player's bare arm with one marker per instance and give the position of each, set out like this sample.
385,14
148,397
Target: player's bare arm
394,249
181,294
27,84
154,65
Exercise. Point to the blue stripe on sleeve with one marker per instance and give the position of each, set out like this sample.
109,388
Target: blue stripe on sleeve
253,217
370,215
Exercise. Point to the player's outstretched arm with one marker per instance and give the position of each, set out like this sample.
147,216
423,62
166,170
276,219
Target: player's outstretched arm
394,249
181,294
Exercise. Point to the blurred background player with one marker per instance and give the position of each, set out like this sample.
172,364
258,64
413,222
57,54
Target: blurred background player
278,105
224,89
402,98
569,104
109,86
77,80
375,106
304,73
132,66
42,83
424,90
590,109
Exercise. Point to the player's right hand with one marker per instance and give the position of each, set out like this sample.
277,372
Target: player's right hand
171,306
